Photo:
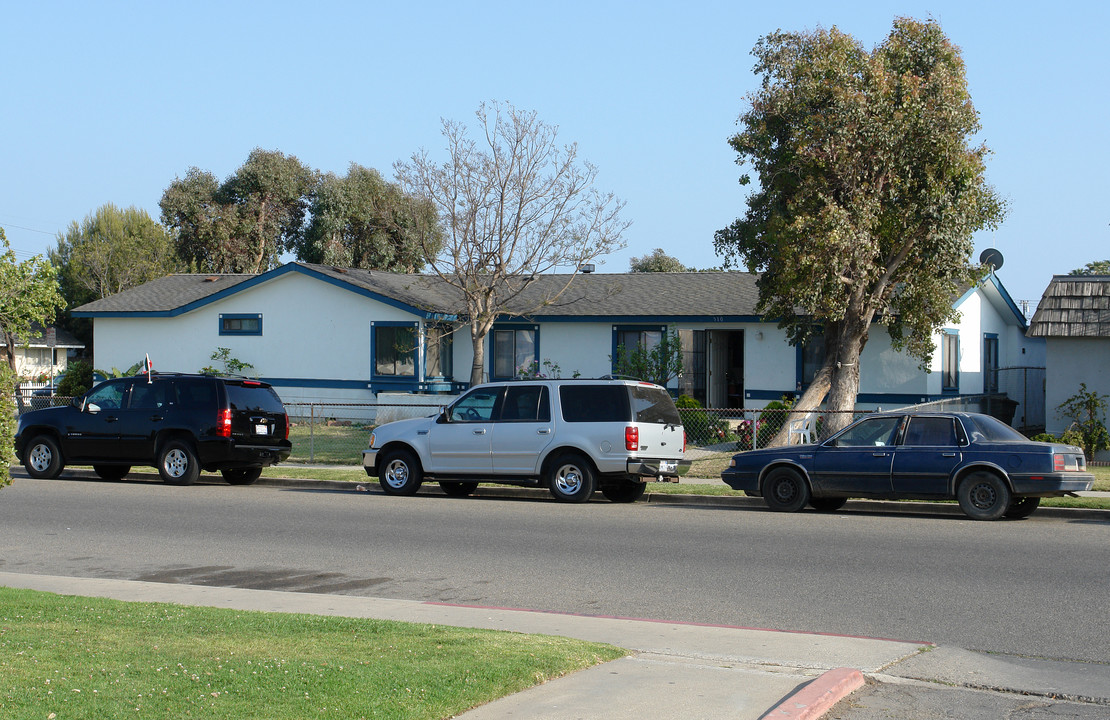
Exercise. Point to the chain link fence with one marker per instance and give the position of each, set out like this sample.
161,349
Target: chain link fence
719,432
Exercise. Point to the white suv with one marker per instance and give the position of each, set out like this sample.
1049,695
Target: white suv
572,436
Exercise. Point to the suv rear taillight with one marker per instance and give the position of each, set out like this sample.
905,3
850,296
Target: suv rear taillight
223,423
684,441
286,427
632,438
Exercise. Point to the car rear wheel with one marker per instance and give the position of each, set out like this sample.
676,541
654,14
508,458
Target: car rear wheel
400,473
827,504
241,476
785,490
570,478
458,489
1022,507
111,472
42,458
623,491
983,496
177,463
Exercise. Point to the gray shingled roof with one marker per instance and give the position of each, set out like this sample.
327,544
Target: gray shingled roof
711,294
1074,306
62,338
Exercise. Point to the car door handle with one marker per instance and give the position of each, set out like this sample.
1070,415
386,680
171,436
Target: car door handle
544,431
948,454
482,431
156,418
111,418
879,454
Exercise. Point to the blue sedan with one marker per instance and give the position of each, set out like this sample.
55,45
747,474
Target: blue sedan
990,468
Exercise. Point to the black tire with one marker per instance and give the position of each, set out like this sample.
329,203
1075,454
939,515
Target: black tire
111,472
400,473
983,496
241,476
1022,507
827,504
42,458
177,463
785,490
623,491
458,489
571,478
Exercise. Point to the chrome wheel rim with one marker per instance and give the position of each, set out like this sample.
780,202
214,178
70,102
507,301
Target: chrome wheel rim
569,479
176,463
396,474
41,457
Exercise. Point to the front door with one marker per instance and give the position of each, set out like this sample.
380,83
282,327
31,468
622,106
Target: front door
859,460
460,441
93,433
726,368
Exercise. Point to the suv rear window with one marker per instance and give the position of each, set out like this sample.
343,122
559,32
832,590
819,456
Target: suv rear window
594,403
254,398
651,404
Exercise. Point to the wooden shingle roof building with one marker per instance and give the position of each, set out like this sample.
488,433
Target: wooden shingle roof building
1074,306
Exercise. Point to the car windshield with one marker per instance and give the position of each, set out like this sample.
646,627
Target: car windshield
985,427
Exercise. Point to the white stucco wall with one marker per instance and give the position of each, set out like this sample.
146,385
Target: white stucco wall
1072,361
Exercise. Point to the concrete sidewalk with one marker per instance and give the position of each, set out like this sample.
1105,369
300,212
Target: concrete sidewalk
675,670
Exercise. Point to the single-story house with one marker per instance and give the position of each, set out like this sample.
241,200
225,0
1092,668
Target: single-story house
40,359
1073,317
320,333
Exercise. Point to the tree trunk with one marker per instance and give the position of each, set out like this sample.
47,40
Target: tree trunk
838,378
479,329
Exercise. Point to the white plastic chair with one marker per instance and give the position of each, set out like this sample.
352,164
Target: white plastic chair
802,428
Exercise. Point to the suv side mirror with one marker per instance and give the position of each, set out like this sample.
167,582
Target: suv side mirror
444,415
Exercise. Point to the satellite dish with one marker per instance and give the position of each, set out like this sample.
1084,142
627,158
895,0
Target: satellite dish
992,257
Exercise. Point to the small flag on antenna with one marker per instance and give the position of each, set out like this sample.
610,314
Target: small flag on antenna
148,368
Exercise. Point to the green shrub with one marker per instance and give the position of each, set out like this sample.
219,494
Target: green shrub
77,380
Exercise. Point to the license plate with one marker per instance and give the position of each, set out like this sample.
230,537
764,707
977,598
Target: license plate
261,430
668,466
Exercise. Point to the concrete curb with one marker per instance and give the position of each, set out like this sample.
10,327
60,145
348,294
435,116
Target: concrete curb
818,697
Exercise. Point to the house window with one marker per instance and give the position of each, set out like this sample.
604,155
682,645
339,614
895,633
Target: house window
627,338
515,351
950,361
990,363
438,352
240,324
813,357
394,349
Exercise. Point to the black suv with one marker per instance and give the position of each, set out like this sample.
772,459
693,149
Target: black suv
178,423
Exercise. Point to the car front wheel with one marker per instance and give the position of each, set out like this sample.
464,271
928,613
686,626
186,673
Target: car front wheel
177,463
570,478
983,496
400,473
42,458
785,490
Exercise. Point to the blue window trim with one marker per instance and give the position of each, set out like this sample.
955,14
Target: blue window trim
510,326
240,316
400,383
618,329
946,389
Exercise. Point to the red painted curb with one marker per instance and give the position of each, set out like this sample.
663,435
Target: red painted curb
816,698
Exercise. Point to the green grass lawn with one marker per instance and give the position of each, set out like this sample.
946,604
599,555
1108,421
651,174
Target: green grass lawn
78,658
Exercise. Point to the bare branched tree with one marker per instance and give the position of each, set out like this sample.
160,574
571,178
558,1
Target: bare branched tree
515,205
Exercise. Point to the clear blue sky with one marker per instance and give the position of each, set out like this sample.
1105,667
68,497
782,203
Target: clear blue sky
109,102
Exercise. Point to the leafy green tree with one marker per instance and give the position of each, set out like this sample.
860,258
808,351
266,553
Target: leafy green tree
7,423
659,364
1098,267
245,223
29,300
108,252
656,261
869,193
77,380
1087,411
362,221
231,365
516,204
